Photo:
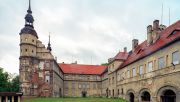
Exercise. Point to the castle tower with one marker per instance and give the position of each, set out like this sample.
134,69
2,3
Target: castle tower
28,47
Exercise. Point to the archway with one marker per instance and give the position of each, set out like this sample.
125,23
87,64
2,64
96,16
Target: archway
84,93
107,92
113,92
146,97
168,96
60,92
131,97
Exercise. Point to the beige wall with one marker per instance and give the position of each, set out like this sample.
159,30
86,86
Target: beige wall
154,80
74,84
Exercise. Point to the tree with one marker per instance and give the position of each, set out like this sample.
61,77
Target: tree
8,84
15,84
104,64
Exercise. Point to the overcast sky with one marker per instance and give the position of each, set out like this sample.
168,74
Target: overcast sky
89,31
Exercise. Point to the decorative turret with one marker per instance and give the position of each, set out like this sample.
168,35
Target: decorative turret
49,45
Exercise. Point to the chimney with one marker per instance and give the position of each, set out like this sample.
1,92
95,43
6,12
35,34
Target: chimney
134,44
149,34
125,49
56,59
74,62
156,25
156,31
162,27
110,59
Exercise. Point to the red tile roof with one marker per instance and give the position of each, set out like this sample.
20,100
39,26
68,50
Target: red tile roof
121,56
167,36
82,69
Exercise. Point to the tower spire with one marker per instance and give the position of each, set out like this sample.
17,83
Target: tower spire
29,9
49,43
29,18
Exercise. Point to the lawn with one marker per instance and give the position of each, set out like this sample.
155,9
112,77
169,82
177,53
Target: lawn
73,100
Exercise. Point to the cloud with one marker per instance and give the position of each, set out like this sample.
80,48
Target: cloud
89,31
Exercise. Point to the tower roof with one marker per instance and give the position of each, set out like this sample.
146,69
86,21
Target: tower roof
29,18
29,28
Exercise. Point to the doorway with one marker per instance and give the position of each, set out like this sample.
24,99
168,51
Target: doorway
168,96
146,96
84,94
131,97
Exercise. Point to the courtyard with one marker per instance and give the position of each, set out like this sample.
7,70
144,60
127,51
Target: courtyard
73,100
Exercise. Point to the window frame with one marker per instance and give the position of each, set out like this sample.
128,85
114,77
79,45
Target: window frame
148,67
177,61
141,66
163,64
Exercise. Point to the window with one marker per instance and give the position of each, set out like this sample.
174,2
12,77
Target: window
32,51
134,71
141,70
128,74
87,86
47,78
26,50
109,80
26,39
73,85
150,66
161,62
113,66
66,76
175,57
47,64
83,86
94,86
118,77
79,86
112,80
122,91
32,40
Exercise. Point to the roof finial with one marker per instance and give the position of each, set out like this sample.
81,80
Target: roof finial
29,9
49,43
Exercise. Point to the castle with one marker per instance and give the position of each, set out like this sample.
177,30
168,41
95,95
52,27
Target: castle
148,73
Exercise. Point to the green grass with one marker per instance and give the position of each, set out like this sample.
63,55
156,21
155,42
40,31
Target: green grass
73,100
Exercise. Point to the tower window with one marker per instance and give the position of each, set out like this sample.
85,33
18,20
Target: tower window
26,50
32,51
32,40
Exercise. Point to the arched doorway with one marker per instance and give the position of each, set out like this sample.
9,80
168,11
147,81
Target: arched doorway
84,93
168,96
113,92
131,97
107,92
60,92
146,97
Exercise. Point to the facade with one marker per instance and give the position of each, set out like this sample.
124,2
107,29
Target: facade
148,73
82,80
42,76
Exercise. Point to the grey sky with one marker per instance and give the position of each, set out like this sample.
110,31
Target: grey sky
89,31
